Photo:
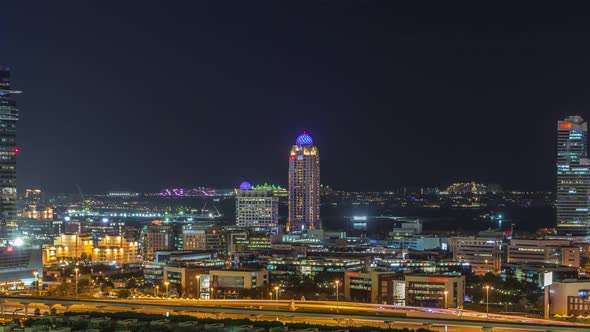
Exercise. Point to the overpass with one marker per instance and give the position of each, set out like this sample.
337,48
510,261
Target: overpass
338,313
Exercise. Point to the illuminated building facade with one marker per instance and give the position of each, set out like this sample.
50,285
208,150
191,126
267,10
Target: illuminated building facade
277,190
543,252
33,195
68,247
485,254
194,239
36,212
8,151
116,249
304,185
156,237
435,291
256,208
474,188
573,177
227,283
375,287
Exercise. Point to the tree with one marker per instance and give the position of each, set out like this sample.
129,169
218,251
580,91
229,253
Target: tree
106,288
123,293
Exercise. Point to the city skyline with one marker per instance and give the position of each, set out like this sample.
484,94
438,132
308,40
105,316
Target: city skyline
169,170
442,88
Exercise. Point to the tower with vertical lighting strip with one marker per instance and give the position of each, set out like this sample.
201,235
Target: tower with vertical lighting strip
8,151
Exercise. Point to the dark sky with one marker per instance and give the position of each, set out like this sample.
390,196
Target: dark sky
143,95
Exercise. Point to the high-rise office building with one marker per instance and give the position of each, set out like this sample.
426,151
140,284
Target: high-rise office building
256,207
304,185
573,177
8,150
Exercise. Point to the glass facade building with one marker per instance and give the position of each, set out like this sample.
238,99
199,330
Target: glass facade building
573,177
8,150
304,185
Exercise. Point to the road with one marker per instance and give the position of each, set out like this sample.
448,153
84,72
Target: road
315,312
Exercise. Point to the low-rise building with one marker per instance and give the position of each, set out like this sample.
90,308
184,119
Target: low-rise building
187,281
194,239
375,287
419,243
535,273
435,291
229,283
569,298
115,249
156,237
485,254
68,247
280,268
422,266
556,252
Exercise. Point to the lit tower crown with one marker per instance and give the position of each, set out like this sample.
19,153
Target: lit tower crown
304,185
573,177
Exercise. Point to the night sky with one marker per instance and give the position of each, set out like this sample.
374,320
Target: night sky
143,95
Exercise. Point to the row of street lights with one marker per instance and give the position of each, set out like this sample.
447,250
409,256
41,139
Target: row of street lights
337,283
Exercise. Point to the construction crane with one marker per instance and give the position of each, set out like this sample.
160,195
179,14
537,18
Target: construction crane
81,195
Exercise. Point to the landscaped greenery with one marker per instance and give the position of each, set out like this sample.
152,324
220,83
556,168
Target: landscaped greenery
173,323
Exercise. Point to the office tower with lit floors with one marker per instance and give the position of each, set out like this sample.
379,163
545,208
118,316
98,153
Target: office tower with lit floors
573,177
304,185
8,150
256,208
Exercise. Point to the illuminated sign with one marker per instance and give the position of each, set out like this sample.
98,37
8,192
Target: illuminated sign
565,125
547,279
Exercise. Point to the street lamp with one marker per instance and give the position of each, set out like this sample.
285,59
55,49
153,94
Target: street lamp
166,284
198,287
277,297
270,295
76,270
156,290
337,282
446,299
36,274
487,301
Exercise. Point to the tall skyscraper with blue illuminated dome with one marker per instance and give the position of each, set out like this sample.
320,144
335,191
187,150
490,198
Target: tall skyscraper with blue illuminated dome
304,185
573,177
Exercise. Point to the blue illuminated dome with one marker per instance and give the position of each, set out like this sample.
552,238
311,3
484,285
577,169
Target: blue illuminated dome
245,186
304,140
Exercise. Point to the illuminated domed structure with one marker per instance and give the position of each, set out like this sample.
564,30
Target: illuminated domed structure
304,140
245,186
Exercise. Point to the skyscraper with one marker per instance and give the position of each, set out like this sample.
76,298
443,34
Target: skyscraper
8,150
304,185
257,208
573,177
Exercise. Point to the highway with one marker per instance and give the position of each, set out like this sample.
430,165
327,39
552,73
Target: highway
315,312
